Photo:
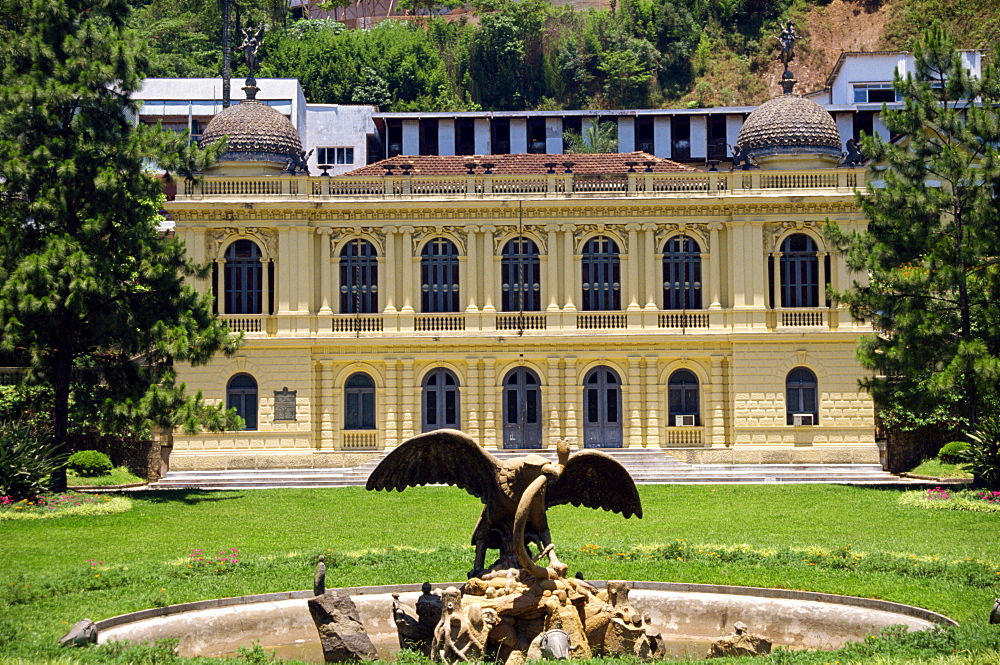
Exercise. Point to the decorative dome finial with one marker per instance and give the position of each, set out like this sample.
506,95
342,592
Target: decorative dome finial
787,39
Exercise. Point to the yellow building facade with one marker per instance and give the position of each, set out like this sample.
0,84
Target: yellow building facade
614,300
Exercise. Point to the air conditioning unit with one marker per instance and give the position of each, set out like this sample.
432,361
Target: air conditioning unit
802,419
683,421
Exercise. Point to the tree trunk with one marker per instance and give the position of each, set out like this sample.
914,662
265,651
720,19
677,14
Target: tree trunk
60,414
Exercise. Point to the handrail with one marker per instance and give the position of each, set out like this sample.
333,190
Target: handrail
639,184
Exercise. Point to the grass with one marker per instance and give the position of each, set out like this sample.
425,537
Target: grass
938,469
120,475
54,572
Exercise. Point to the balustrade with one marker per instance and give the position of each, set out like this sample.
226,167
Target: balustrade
359,439
562,184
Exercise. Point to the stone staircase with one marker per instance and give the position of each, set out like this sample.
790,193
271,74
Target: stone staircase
646,465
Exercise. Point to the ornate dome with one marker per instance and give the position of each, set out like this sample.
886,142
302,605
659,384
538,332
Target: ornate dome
255,132
790,125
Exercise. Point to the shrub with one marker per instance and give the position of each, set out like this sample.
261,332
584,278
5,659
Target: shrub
951,453
90,463
27,459
983,456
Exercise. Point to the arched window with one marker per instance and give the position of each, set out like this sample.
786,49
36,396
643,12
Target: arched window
439,276
601,275
359,402
241,394
799,272
800,397
440,400
682,399
521,270
243,278
602,406
522,410
681,274
358,278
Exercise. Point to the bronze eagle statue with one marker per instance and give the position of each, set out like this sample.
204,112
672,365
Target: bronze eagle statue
450,457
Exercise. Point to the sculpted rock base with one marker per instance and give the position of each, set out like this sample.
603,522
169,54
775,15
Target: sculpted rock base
516,618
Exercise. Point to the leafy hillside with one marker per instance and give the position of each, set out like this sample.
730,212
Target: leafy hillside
530,54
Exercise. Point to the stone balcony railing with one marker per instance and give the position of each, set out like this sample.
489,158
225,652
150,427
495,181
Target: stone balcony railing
667,322
556,185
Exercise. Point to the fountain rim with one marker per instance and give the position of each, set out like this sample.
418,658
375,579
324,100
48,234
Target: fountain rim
679,587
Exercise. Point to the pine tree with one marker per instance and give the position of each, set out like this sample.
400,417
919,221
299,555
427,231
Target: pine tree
92,292
932,246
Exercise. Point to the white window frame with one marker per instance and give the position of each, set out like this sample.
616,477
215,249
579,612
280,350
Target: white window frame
340,155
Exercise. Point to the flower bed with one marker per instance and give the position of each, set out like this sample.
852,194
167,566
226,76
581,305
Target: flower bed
983,501
61,505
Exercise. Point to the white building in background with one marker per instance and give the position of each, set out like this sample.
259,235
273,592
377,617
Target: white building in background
338,135
346,137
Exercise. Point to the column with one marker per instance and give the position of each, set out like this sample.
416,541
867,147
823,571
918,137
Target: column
326,401
571,270
406,260
326,269
715,266
553,402
879,128
756,262
391,410
446,136
411,137
303,258
626,134
284,285
653,271
473,273
553,136
488,269
734,123
699,136
265,286
390,270
220,286
518,136
482,136
571,399
661,136
472,397
821,261
490,437
552,281
845,125
716,406
776,284
410,402
652,402
632,269
634,404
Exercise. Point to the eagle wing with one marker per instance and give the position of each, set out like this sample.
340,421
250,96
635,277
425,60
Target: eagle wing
595,480
444,456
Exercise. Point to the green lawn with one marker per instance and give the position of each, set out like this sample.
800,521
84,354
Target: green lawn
54,572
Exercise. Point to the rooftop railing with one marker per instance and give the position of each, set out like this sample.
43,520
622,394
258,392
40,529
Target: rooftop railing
557,185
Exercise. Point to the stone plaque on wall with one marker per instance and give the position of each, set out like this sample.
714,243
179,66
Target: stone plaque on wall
284,404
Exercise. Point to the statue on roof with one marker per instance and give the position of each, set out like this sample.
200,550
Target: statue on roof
250,46
787,39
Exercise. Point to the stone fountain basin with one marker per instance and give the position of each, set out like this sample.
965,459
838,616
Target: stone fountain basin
795,619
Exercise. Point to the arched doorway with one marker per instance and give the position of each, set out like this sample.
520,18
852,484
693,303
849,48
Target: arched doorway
602,409
440,401
522,410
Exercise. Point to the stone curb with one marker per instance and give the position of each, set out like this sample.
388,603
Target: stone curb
936,479
758,592
87,489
